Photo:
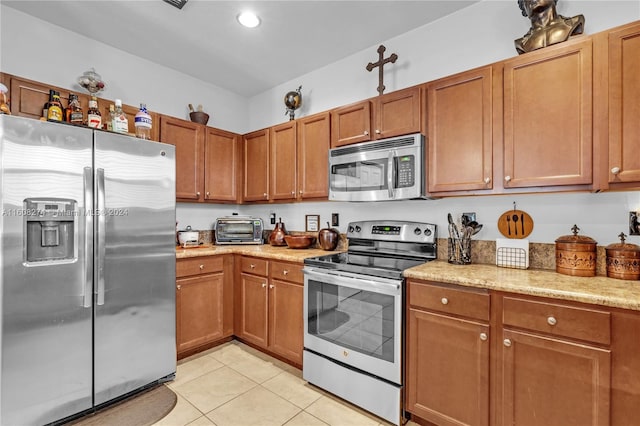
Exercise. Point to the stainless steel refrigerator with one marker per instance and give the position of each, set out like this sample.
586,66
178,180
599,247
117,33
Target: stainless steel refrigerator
87,261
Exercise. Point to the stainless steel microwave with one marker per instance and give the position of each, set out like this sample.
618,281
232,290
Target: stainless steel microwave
387,169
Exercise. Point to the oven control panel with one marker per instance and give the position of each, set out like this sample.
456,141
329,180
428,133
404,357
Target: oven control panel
416,232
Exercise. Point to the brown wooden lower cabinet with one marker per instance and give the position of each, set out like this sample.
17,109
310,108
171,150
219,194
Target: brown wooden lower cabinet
204,308
269,297
551,381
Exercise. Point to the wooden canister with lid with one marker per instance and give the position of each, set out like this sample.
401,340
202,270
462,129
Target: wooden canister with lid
576,254
623,260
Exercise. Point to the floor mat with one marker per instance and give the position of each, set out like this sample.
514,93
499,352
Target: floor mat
140,410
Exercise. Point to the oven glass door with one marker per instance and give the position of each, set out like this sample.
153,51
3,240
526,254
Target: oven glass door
355,319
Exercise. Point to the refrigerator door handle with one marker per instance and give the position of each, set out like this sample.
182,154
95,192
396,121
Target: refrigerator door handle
100,238
88,232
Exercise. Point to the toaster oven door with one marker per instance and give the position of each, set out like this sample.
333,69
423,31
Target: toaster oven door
238,232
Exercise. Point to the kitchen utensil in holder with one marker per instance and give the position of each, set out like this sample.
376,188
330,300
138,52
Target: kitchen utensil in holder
459,250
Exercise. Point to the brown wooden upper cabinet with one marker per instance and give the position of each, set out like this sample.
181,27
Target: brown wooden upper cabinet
256,166
222,171
459,123
188,138
313,156
282,140
548,117
624,107
393,114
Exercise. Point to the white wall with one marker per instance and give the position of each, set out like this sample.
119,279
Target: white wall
38,50
478,35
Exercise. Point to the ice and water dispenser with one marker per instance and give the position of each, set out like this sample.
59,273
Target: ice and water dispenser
50,229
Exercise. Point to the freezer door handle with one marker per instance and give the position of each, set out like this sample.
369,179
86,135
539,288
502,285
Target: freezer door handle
100,238
87,176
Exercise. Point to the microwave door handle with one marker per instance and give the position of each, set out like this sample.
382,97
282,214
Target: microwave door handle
390,187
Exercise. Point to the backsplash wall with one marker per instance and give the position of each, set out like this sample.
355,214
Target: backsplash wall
601,216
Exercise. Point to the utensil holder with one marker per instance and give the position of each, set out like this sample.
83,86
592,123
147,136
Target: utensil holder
459,250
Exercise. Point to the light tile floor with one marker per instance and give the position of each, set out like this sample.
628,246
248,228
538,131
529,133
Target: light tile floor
234,384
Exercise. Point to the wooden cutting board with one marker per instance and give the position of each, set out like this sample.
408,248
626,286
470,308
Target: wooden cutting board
515,224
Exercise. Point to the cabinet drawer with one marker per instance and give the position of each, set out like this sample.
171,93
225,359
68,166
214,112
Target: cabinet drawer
198,265
287,272
559,320
467,303
255,266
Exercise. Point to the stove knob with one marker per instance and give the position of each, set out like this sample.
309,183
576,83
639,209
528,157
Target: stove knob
351,229
417,231
427,232
358,229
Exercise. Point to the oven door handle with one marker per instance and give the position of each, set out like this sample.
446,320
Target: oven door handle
330,277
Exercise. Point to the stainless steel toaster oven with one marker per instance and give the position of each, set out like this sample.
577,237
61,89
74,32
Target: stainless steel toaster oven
238,230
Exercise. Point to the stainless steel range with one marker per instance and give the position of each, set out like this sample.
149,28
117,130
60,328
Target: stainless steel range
354,308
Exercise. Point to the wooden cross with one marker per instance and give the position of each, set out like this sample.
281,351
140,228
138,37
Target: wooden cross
380,64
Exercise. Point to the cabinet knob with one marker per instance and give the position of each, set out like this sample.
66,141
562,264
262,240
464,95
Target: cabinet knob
198,193
271,286
285,272
507,178
201,267
615,170
487,180
178,287
207,193
293,193
252,266
444,300
264,195
507,342
264,285
378,132
483,336
300,192
366,133
552,321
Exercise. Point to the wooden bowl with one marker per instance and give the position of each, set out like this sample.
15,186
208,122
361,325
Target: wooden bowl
299,241
199,117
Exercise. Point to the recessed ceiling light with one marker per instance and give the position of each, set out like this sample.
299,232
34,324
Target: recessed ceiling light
249,19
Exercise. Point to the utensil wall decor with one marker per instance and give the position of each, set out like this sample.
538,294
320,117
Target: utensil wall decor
515,224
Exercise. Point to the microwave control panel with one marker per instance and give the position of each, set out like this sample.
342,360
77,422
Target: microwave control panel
406,166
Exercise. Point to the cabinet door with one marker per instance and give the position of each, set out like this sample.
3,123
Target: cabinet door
624,108
313,141
199,310
282,140
188,138
447,369
253,307
28,97
351,124
221,165
397,113
548,381
460,132
548,117
256,166
285,319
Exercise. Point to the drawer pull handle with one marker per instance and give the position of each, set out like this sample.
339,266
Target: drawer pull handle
444,301
285,272
552,321
483,336
252,266
201,267
507,342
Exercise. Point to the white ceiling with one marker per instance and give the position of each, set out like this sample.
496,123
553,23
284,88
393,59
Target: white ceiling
204,40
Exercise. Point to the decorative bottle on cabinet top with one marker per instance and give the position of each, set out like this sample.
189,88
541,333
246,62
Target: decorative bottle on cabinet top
143,123
94,118
120,121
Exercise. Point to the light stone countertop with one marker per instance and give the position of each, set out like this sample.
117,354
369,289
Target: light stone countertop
597,290
265,251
